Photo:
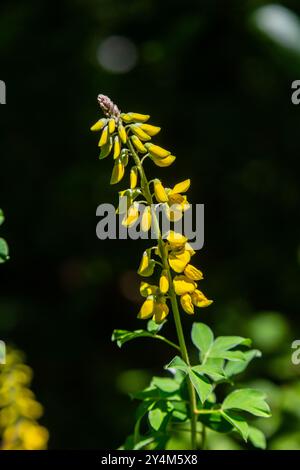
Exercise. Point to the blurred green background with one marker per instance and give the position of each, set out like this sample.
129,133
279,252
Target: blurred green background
217,77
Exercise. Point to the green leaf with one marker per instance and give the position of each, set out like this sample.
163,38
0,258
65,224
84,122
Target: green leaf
216,422
238,422
229,355
257,438
3,251
157,418
178,363
233,368
215,372
153,327
224,343
180,411
202,385
165,384
202,337
247,399
122,336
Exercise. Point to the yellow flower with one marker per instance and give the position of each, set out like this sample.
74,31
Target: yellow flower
146,219
146,266
186,304
177,203
104,137
199,299
117,147
148,289
157,151
150,130
122,133
99,125
179,259
164,282
133,177
163,162
193,273
147,309
183,285
161,310
111,125
117,173
176,239
131,216
139,132
159,191
132,117
138,144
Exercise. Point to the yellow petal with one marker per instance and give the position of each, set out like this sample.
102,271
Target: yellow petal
117,173
164,162
146,219
111,125
199,299
138,144
133,177
176,239
146,266
117,147
139,132
147,309
164,282
160,312
187,304
150,130
157,151
178,261
183,285
148,289
104,137
122,133
181,187
99,125
189,248
193,273
159,191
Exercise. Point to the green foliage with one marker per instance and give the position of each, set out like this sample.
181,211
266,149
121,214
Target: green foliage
164,409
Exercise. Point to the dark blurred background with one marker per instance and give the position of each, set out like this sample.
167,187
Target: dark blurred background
216,75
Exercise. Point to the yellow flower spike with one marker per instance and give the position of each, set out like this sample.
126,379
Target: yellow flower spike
99,125
139,132
147,309
131,216
176,239
159,191
181,187
163,162
148,289
183,285
160,312
157,151
199,299
104,137
117,173
117,147
150,130
122,133
164,282
193,273
187,304
178,261
146,219
138,144
133,177
111,125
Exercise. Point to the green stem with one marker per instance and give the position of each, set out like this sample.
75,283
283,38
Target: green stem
173,298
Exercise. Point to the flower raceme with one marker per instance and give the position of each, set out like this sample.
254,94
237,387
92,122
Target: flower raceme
127,136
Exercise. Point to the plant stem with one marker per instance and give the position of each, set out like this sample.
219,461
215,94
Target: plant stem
173,298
